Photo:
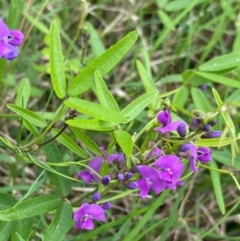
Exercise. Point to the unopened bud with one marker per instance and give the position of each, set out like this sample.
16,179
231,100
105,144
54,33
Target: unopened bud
181,130
96,196
106,179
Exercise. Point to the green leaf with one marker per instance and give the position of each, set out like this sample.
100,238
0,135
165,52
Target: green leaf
166,20
23,228
67,141
147,81
31,207
180,97
146,217
23,93
104,63
227,118
200,100
95,40
137,106
56,62
60,224
28,115
104,95
93,124
5,230
219,79
62,184
217,187
87,141
215,142
224,62
95,110
7,201
178,5
125,141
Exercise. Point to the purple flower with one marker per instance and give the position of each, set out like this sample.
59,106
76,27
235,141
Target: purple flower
149,180
192,154
9,40
128,175
88,175
165,119
204,154
96,163
85,215
170,170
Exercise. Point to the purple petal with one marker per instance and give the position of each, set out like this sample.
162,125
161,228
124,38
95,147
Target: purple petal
8,51
165,175
171,127
147,172
112,157
172,164
88,224
158,186
4,30
17,37
96,212
143,186
192,154
87,176
164,118
80,213
204,155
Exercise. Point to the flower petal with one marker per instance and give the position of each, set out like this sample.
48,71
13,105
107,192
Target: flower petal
143,186
168,128
88,224
4,30
96,212
17,37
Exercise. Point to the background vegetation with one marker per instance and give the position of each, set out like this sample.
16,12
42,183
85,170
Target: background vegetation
175,39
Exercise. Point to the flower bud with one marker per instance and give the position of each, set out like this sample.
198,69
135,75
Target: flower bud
121,177
212,122
206,127
164,118
128,175
132,185
194,125
96,196
181,130
106,205
213,134
106,179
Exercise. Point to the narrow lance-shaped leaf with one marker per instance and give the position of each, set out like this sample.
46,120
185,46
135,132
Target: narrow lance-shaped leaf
23,93
219,79
93,124
95,110
200,100
56,62
135,107
87,141
104,63
31,207
60,224
28,115
104,95
124,140
67,141
23,228
62,184
224,62
217,187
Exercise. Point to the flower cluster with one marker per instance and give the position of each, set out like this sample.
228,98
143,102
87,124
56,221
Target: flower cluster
160,168
9,41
